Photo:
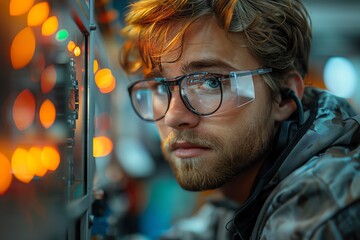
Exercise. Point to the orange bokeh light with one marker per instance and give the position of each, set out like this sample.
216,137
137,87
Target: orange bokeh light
102,146
34,162
18,7
102,74
48,79
109,88
104,80
20,167
24,110
38,14
71,46
50,26
96,65
22,48
47,113
5,174
77,51
50,158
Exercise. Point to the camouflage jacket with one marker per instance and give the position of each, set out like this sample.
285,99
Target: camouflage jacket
310,191
317,193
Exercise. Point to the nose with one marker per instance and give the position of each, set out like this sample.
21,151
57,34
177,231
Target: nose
178,115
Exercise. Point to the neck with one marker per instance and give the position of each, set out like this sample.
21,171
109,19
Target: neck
239,188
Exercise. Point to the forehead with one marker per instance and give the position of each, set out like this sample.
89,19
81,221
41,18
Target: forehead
205,42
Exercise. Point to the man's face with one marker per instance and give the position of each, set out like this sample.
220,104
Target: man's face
207,152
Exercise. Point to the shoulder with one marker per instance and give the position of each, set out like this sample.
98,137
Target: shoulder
320,200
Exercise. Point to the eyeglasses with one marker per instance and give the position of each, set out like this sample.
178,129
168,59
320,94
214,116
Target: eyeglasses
202,93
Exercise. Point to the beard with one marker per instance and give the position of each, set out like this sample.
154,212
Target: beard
228,157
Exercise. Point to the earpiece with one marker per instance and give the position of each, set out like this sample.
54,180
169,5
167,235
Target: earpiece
289,127
300,111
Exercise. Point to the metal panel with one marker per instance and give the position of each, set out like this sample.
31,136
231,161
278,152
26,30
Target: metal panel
47,107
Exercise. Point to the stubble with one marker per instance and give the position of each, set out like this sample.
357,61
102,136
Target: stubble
225,159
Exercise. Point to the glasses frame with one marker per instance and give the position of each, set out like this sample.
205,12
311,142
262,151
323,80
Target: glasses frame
172,82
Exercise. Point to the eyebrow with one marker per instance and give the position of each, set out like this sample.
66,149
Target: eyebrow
199,65
196,66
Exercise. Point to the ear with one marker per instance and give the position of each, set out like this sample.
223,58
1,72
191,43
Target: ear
284,107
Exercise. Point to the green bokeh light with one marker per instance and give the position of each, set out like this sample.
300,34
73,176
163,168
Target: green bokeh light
62,35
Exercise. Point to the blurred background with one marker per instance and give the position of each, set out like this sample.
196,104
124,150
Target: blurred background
75,160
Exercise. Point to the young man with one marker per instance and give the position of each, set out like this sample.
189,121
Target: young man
223,81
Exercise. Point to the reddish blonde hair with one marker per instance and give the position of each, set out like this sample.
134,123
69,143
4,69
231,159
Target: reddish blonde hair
278,32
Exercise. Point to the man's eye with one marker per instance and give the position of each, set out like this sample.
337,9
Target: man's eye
211,82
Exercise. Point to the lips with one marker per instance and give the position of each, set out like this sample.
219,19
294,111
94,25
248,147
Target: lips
187,150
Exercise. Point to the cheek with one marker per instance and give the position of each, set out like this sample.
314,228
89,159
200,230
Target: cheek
162,129
240,123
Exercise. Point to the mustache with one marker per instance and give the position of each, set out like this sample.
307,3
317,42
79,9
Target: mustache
191,137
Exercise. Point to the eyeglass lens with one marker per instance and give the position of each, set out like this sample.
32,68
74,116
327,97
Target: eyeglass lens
200,93
150,99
